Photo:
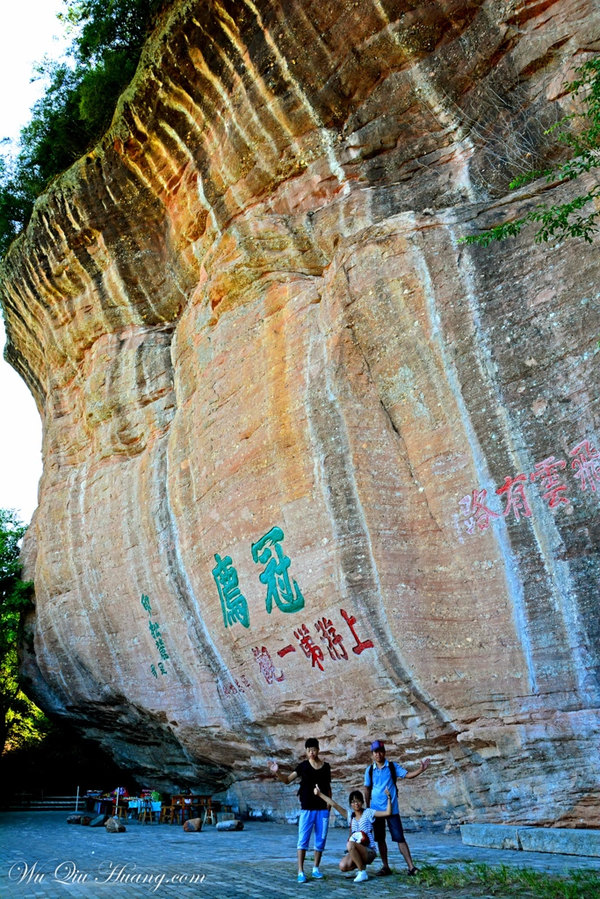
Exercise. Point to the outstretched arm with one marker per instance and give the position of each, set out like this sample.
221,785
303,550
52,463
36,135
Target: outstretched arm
284,778
388,810
330,802
422,767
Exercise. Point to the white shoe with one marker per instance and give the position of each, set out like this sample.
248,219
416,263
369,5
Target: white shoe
361,877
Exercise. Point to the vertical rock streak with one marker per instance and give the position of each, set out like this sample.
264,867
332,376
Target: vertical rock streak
513,579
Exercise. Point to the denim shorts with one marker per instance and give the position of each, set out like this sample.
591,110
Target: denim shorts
371,855
394,826
313,820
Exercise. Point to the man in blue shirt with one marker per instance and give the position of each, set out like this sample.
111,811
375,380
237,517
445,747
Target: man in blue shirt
378,776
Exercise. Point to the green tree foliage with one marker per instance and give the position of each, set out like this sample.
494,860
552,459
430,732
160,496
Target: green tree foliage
20,720
581,133
79,101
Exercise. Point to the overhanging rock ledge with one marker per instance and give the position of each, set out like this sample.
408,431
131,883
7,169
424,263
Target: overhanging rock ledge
311,467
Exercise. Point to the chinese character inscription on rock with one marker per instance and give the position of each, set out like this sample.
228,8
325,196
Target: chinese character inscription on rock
282,591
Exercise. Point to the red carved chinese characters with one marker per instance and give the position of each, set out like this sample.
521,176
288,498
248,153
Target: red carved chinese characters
361,645
231,688
547,472
330,636
586,465
478,513
266,666
309,647
516,501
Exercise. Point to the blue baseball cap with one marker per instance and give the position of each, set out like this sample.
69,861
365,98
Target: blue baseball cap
377,744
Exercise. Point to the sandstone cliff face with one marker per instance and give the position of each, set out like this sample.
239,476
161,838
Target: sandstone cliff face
311,467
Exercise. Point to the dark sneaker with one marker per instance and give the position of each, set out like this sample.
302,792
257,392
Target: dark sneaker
412,872
383,872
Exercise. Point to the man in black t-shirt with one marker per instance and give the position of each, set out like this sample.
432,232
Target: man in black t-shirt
314,815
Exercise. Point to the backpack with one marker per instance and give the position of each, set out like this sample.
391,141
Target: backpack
393,775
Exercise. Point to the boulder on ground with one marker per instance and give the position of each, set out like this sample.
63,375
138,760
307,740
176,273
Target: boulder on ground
230,825
74,819
98,821
113,825
85,819
192,825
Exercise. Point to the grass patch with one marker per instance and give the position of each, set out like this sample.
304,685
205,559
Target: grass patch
505,881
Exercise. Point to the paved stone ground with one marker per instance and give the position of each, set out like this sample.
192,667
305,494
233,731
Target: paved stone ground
42,856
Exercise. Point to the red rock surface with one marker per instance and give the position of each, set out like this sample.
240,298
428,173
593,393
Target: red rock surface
246,310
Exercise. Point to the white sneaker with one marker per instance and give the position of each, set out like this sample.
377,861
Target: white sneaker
361,877
316,874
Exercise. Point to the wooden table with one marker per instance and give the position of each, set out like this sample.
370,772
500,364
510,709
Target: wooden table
145,808
186,806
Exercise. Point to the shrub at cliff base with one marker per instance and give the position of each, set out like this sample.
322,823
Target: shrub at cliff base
20,720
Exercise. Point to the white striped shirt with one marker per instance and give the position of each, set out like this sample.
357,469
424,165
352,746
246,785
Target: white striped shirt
365,823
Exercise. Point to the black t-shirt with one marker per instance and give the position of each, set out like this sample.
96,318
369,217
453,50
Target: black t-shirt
309,779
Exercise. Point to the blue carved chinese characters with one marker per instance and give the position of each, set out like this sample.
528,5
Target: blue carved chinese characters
233,602
286,596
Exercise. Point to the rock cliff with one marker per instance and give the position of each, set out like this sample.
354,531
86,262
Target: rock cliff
311,466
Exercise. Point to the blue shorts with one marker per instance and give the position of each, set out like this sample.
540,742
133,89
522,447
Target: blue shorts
313,820
394,826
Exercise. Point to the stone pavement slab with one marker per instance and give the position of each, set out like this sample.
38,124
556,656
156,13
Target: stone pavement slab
42,856
570,842
564,840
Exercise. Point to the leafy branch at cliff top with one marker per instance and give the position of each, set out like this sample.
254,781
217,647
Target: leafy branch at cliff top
564,219
79,101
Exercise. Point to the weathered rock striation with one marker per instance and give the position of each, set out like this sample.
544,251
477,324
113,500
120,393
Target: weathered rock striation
311,466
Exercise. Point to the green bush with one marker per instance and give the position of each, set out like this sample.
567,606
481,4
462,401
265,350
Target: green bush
78,103
20,720
581,133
